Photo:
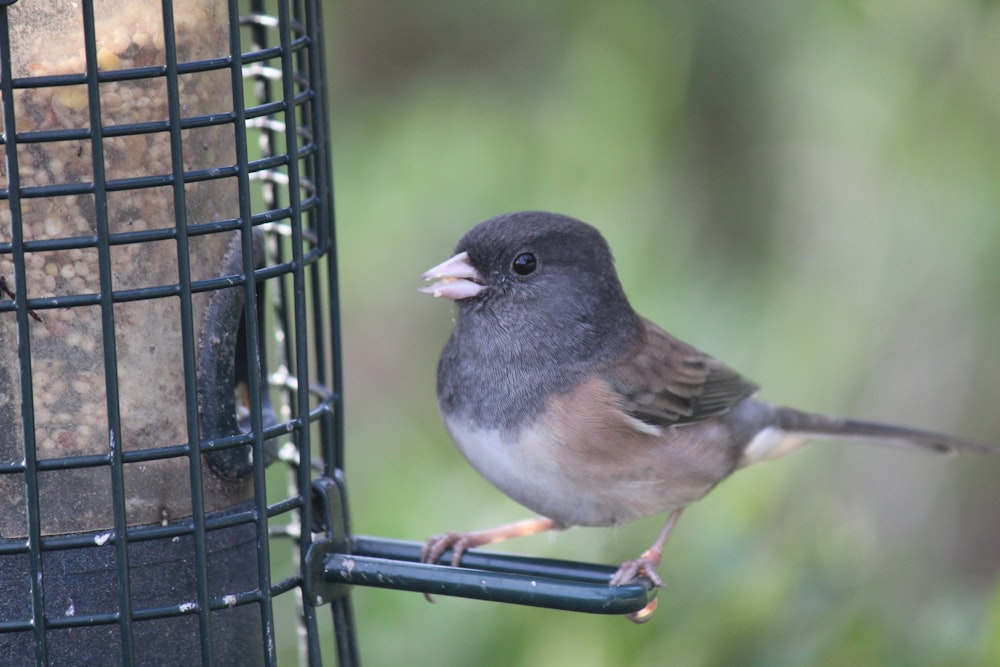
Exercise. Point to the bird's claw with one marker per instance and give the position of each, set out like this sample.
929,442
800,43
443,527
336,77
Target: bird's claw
643,614
435,547
630,570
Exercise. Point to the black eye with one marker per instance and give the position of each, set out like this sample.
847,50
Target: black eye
524,264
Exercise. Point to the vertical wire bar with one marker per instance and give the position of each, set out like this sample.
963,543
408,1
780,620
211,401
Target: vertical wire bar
108,339
270,195
315,174
333,452
327,367
345,633
272,200
303,471
263,95
187,332
38,620
253,338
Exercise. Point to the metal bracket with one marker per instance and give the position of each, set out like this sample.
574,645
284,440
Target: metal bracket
330,507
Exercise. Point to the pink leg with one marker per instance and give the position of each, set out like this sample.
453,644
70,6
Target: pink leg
647,563
460,542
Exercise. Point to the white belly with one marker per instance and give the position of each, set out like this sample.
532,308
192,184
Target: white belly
527,470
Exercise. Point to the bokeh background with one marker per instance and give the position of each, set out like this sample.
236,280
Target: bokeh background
810,191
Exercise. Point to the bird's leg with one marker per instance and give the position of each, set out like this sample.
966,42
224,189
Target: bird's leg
647,563
460,542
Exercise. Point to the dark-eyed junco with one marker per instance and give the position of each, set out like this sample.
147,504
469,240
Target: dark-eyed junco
575,406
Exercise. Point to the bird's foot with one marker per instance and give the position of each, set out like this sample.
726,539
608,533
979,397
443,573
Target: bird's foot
435,547
643,566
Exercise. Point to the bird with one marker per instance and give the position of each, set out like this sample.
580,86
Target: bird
575,406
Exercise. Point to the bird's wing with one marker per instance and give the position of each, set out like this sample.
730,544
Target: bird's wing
665,381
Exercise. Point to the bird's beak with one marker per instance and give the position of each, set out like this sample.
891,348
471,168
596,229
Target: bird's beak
456,279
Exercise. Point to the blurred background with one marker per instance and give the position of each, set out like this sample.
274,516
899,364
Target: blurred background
806,190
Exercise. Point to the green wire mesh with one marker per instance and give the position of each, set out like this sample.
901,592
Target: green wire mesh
164,200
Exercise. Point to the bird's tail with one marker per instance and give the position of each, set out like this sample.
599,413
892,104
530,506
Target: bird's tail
818,426
788,429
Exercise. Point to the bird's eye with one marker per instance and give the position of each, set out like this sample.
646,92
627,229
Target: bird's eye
524,264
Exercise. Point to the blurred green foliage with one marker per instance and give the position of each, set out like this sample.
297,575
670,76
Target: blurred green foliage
807,190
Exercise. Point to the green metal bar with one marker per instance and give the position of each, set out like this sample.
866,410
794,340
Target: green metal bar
254,340
188,339
31,482
536,582
109,343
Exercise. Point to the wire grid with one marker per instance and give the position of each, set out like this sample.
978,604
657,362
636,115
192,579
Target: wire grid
220,583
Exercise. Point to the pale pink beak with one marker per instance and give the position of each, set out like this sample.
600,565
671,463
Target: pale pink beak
456,279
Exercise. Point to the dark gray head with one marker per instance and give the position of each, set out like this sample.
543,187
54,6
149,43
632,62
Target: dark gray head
542,283
539,307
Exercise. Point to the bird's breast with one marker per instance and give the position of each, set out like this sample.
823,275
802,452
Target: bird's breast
582,461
